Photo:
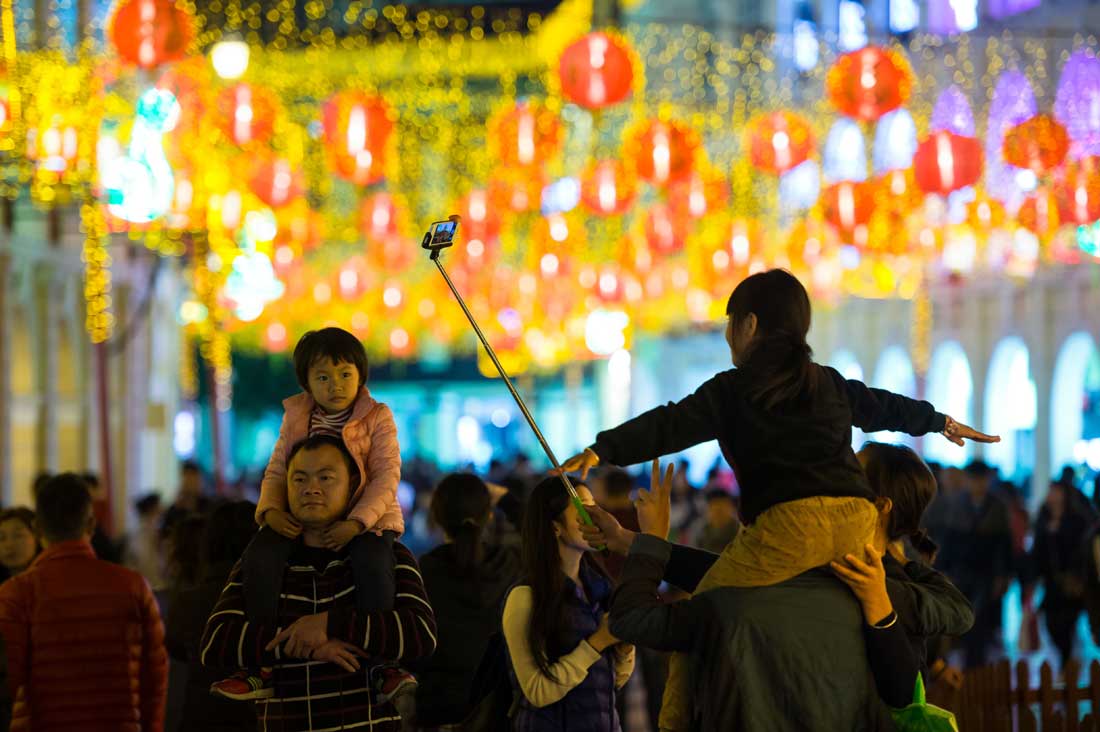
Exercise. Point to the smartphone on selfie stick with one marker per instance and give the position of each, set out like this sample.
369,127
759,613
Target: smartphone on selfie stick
440,236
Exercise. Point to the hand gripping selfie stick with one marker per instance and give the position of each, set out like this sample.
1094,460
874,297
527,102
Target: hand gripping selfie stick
439,237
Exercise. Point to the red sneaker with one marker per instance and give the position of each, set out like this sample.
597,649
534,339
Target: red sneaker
391,682
244,686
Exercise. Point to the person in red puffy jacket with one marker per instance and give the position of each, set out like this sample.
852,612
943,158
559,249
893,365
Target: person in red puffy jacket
84,638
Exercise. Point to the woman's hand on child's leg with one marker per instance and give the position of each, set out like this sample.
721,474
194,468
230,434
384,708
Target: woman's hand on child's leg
340,533
868,581
282,522
303,636
958,433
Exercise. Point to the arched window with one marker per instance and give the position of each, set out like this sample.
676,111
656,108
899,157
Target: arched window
846,363
1010,410
894,372
1075,404
951,389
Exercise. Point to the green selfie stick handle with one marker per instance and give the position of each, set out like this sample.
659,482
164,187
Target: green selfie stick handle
582,512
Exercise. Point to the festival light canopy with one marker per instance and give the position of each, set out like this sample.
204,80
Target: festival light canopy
609,181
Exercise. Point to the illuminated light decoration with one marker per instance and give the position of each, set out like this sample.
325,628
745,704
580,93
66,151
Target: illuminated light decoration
322,293
851,25
519,191
778,141
741,234
1039,144
946,162
607,189
229,57
259,227
1088,239
1039,213
1023,257
55,148
139,186
609,285
702,192
807,49
283,259
188,81
999,9
378,217
799,188
246,114
596,71
360,323
178,217
400,342
252,284
482,224
275,182
525,135
1013,102
895,141
985,213
605,331
148,33
665,232
950,17
662,151
352,279
1077,102
357,129
560,196
904,16
1079,192
952,113
960,251
868,83
558,228
845,154
847,205
549,265
192,312
275,337
392,296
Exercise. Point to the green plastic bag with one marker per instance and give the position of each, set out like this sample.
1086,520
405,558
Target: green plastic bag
921,716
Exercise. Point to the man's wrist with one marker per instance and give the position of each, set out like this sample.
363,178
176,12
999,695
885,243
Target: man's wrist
623,541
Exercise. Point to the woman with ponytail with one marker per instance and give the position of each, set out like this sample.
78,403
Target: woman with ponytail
784,424
466,581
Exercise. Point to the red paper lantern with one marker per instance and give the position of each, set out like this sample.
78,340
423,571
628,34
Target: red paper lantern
481,223
1039,213
946,162
606,189
699,194
1079,194
379,217
275,183
778,141
868,83
357,129
1039,144
665,232
246,114
597,71
149,33
519,191
524,135
663,151
848,204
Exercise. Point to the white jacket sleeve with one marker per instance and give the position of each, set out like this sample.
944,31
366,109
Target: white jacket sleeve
569,670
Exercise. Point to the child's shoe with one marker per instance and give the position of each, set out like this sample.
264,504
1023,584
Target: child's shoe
244,685
391,682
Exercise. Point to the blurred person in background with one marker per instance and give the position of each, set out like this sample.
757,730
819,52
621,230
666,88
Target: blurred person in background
685,510
951,483
142,550
183,572
230,528
1059,559
19,544
616,487
190,498
105,546
717,528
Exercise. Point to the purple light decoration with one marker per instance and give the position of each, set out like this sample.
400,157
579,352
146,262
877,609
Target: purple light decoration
998,9
1077,103
952,113
1013,102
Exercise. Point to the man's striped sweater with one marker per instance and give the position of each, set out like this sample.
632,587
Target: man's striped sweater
314,696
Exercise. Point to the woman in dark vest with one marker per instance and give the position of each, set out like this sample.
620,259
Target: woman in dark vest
566,665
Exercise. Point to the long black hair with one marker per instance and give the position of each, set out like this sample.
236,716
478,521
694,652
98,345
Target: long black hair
548,629
898,473
460,506
778,362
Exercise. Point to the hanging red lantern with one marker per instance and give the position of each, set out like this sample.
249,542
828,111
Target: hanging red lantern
778,141
596,71
149,33
662,151
275,183
1079,193
665,232
868,83
848,204
1039,213
524,135
518,190
1039,144
246,114
378,216
606,188
946,162
482,225
700,193
357,129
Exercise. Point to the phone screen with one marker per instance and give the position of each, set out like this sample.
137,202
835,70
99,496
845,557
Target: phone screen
443,232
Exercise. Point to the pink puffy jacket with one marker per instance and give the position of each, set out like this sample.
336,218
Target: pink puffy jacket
371,438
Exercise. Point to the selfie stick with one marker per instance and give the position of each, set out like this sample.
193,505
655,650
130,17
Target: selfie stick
508,382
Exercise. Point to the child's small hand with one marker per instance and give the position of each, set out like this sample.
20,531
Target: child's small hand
340,533
282,522
958,433
868,581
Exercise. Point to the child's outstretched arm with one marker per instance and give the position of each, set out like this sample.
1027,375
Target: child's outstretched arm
660,431
875,410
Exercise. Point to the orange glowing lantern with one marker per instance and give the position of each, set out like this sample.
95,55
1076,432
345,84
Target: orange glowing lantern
596,71
985,213
868,83
778,141
662,151
665,232
1039,213
606,188
519,191
1039,144
378,216
1079,194
946,162
524,135
149,33
700,193
246,114
357,130
848,204
275,183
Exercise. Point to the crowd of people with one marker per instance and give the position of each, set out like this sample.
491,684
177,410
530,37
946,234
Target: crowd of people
810,587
